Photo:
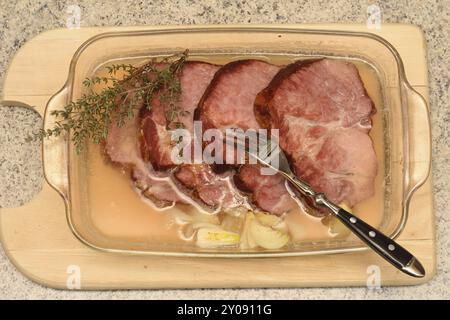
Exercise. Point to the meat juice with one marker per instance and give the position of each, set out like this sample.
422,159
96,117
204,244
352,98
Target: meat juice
118,211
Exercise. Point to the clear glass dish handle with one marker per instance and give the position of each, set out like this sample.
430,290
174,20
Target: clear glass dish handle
419,141
55,149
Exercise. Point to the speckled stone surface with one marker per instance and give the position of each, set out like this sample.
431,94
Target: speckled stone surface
20,168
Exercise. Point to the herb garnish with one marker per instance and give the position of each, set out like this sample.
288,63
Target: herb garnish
91,115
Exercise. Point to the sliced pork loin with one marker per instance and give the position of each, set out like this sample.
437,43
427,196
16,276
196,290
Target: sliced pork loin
123,147
228,103
215,189
211,191
323,113
156,121
268,192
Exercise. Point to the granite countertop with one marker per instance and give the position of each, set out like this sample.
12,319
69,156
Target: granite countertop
20,167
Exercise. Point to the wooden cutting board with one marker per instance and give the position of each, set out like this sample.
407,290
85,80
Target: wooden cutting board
37,238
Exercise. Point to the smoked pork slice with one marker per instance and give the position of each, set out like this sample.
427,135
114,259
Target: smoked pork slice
229,103
268,192
323,113
208,189
213,189
229,99
156,122
122,147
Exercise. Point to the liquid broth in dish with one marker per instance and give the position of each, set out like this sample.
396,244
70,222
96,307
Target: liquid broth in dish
118,211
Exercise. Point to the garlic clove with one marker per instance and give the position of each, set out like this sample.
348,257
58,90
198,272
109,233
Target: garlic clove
267,237
215,237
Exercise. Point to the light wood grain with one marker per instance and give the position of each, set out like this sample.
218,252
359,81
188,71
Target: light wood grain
37,238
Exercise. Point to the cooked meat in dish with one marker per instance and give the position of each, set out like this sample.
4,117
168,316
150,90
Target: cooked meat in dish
122,147
195,79
267,192
199,182
228,101
320,107
323,113
156,123
214,189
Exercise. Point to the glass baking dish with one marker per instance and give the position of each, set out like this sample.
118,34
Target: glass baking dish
399,108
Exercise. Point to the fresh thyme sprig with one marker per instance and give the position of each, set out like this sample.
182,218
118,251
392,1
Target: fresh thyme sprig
90,116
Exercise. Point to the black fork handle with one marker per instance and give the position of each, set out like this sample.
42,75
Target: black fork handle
383,245
380,243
